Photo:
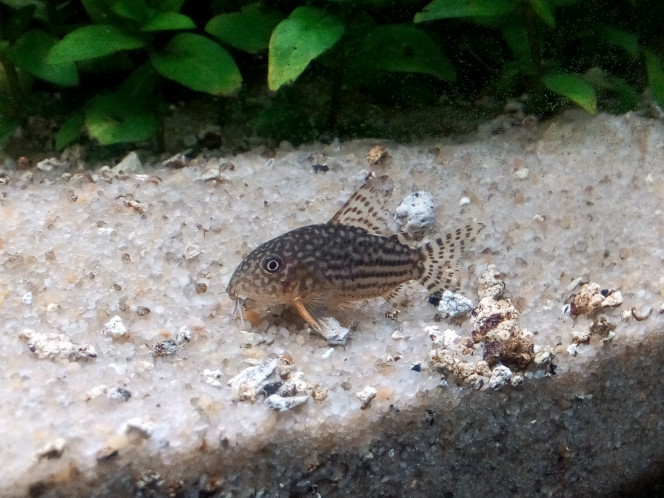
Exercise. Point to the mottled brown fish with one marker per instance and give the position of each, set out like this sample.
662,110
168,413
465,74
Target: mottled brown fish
354,256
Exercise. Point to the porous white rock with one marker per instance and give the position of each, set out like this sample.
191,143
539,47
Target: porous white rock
281,404
454,305
213,377
246,385
366,396
416,212
114,327
56,346
500,376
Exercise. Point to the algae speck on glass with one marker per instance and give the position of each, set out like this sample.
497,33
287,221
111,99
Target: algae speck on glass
320,268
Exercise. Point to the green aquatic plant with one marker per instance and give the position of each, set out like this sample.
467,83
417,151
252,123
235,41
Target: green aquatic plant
303,70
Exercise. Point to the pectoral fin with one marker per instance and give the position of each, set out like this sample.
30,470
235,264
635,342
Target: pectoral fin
312,308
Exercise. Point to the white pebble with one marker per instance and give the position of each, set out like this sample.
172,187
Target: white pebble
53,346
140,427
114,327
366,395
327,353
27,298
335,334
247,383
521,173
455,304
281,404
499,377
416,212
212,377
129,164
464,201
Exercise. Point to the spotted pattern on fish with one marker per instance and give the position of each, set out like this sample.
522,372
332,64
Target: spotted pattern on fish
354,256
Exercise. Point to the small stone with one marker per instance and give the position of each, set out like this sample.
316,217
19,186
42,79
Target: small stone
333,332
211,174
137,206
139,427
165,348
377,155
281,404
464,201
416,212
499,377
176,162
212,377
366,396
50,164
246,385
131,163
52,450
521,173
27,298
192,250
119,393
454,305
183,335
327,353
55,346
142,311
397,335
114,327
96,391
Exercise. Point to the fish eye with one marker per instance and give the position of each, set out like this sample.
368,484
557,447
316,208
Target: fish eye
272,264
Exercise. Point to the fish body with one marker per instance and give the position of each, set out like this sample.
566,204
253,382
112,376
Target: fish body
320,268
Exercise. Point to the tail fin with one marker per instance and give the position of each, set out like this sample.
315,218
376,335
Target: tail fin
441,258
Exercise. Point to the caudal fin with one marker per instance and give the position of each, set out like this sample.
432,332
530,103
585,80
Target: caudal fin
442,258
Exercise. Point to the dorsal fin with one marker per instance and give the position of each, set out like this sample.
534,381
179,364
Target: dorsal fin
366,207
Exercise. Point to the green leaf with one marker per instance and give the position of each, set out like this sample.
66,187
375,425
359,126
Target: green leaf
517,40
247,30
113,119
135,10
98,9
30,52
198,63
168,21
623,39
299,39
70,131
39,5
140,84
405,49
93,41
8,125
18,23
544,11
167,5
573,87
655,76
446,9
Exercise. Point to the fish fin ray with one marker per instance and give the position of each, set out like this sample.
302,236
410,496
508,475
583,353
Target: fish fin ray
312,308
398,297
441,263
366,208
